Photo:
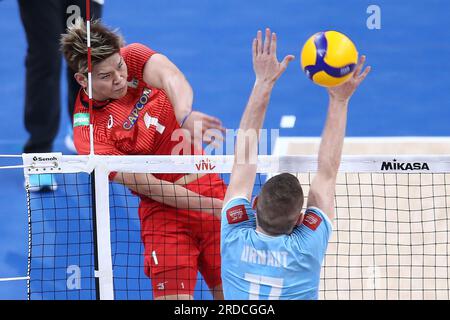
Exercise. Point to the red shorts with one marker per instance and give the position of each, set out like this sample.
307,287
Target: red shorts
179,243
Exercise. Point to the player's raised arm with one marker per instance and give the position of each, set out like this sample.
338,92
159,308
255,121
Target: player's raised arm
267,70
322,191
162,73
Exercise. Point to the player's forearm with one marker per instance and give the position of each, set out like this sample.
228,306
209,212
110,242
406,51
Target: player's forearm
169,193
246,152
253,118
255,110
332,142
179,197
180,94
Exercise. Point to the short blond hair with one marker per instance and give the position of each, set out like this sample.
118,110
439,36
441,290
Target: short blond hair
104,43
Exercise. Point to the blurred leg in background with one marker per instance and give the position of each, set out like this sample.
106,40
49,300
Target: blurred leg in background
44,21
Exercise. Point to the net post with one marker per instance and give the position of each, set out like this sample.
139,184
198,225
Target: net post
102,233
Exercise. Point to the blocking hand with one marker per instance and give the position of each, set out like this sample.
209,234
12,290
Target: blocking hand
344,91
265,63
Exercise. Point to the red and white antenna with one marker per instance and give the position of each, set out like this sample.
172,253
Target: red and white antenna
88,32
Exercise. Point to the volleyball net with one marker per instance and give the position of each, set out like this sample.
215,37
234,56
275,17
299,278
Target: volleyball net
390,236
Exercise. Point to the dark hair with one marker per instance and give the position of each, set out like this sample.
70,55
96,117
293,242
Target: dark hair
279,204
104,43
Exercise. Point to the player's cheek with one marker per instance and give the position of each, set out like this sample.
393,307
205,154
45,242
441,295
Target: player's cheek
109,87
106,88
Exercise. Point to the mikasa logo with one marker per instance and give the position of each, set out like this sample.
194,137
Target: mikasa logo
394,165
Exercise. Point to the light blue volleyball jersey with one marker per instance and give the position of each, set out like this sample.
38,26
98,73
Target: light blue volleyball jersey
257,266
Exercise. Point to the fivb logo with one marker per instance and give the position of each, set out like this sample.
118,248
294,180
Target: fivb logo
403,166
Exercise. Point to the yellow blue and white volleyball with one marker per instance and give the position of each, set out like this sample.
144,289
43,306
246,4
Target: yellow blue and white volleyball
329,58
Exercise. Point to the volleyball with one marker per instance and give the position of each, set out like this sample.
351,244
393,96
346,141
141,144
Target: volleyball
329,58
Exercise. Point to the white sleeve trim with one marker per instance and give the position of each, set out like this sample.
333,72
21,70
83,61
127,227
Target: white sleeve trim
237,197
325,216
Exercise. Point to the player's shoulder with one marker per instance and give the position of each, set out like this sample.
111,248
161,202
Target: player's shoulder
239,200
236,210
133,46
235,204
314,216
80,104
136,48
315,221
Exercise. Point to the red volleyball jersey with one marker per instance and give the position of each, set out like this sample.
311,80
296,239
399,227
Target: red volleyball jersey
140,123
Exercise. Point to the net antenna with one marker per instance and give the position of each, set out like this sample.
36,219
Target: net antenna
100,197
89,53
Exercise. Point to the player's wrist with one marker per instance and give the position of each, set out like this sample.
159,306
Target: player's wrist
264,83
339,99
262,89
183,120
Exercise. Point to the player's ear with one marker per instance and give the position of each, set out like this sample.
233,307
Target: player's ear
254,203
81,79
300,219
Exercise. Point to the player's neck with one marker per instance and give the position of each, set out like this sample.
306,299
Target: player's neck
95,98
84,97
260,230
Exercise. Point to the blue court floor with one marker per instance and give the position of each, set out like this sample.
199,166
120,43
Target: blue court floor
407,93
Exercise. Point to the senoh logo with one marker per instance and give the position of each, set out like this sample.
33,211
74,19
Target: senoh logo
35,158
205,165
403,166
237,214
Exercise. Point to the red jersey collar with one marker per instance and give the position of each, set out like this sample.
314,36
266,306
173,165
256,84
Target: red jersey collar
84,98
